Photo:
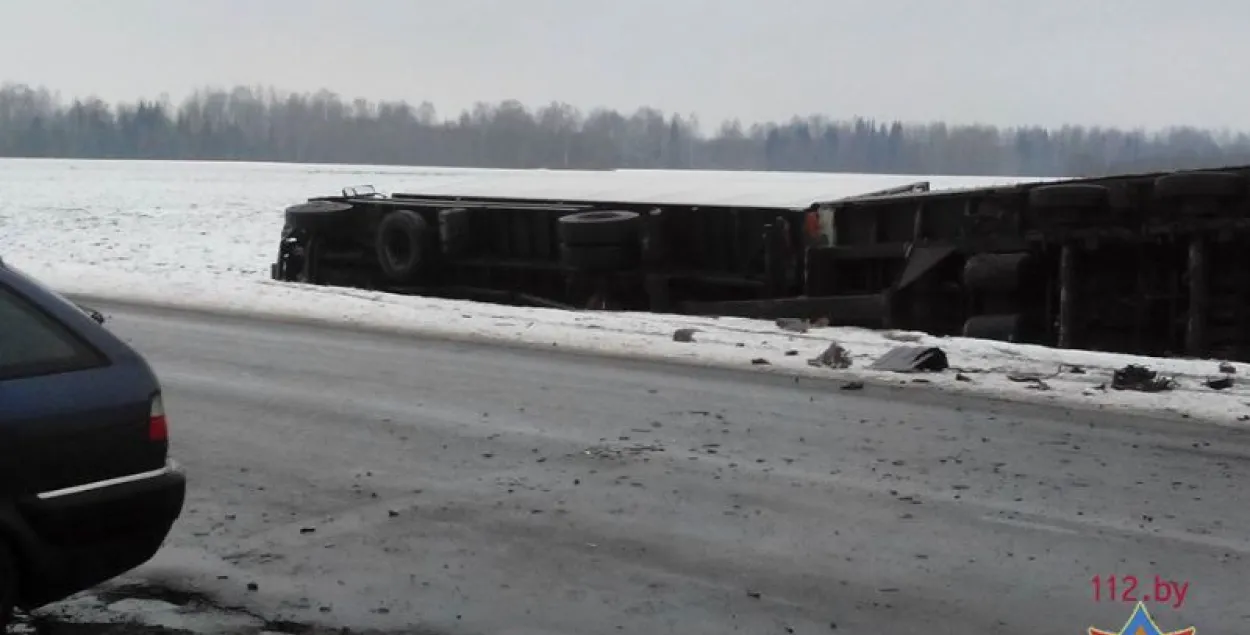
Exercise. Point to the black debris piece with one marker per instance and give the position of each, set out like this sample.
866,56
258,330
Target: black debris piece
912,359
1220,383
684,335
1141,379
1024,377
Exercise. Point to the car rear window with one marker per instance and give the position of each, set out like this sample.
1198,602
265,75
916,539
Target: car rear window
33,343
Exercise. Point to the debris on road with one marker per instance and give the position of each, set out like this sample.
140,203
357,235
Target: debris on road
1019,377
833,357
684,335
794,325
1227,368
853,385
911,359
1140,379
760,361
617,452
1220,383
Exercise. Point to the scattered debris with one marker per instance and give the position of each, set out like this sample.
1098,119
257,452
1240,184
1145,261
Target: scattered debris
1038,385
853,385
791,353
903,336
794,325
1075,369
834,357
684,335
760,361
1220,383
755,595
1024,377
618,452
1141,379
962,377
911,359
1228,368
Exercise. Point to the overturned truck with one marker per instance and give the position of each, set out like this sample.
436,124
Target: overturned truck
1153,264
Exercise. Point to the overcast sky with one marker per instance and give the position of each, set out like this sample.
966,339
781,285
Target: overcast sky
1130,63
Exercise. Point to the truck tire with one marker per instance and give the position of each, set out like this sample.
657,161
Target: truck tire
1068,196
599,257
1199,185
316,215
401,244
1006,327
996,273
9,584
603,227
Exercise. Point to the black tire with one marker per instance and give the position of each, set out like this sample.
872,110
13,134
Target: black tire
401,245
1222,185
1003,328
604,227
996,273
9,584
316,214
600,257
1068,196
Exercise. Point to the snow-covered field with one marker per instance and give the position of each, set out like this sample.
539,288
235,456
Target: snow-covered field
203,235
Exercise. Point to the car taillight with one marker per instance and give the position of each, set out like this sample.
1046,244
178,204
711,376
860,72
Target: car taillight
158,427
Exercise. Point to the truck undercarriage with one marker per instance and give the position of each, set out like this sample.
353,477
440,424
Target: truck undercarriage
1151,264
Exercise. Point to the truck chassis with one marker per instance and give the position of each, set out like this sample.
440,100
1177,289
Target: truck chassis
1155,264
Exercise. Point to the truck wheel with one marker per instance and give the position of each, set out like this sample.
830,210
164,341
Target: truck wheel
989,273
605,227
8,584
316,214
400,243
1199,185
1068,196
599,258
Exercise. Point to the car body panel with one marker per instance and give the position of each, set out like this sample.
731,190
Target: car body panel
85,493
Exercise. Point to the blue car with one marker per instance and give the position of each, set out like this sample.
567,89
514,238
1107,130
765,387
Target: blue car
87,488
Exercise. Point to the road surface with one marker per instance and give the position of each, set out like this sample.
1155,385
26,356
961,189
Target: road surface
394,483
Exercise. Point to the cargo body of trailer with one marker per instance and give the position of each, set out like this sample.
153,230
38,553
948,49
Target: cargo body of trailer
1150,264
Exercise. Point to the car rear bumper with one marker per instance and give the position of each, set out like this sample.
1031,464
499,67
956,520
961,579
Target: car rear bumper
87,534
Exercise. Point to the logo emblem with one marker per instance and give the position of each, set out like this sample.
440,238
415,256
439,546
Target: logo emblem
1141,623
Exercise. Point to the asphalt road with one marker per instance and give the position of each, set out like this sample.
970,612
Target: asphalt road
387,482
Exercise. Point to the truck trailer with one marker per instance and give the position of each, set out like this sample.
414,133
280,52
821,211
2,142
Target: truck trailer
1155,264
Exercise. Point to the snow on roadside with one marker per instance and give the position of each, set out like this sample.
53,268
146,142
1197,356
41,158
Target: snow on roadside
984,367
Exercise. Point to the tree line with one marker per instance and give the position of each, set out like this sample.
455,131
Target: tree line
255,124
